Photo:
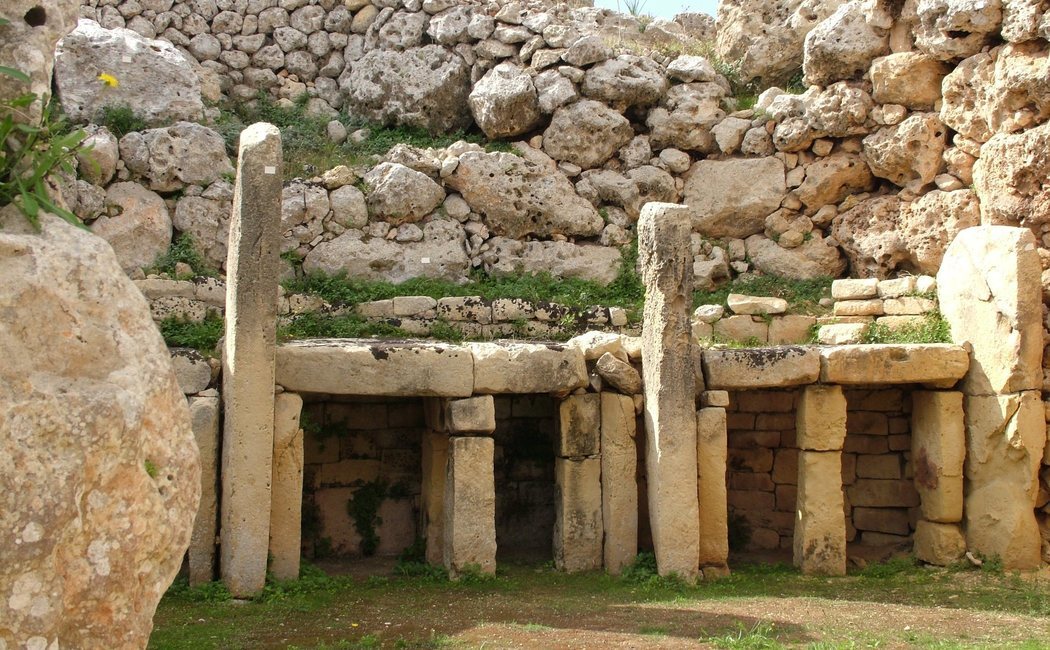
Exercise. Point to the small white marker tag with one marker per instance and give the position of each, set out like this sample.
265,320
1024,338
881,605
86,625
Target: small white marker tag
270,169
424,260
125,59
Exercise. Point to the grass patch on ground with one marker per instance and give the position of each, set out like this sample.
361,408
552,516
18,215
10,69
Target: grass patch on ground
802,296
931,329
183,250
424,612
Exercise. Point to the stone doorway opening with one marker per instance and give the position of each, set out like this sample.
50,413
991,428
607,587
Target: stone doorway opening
361,478
525,441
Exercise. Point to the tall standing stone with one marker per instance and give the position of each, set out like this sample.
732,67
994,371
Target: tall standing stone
435,459
248,360
578,530
286,502
670,387
712,453
204,418
820,526
470,506
619,481
938,449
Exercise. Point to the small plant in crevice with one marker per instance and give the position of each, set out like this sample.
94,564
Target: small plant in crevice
183,250
201,335
121,120
363,508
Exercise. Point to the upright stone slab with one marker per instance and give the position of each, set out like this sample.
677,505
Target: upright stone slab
938,449
286,502
470,506
820,526
204,417
619,481
664,232
475,415
435,460
711,454
578,529
248,360
820,420
579,424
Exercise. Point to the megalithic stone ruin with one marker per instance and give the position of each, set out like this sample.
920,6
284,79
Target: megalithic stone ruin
670,387
248,360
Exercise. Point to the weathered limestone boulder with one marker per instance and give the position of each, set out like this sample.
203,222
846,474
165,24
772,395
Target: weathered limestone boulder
867,234
97,161
579,426
948,30
686,117
440,254
938,544
554,90
450,25
505,102
527,368
1007,177
1024,20
153,78
820,421
936,364
99,472
989,290
27,44
172,157
843,45
760,367
425,87
192,371
732,198
689,68
207,220
832,178
516,197
767,37
813,258
578,528
625,81
561,259
586,133
820,528
139,230
909,79
470,506
938,449
619,461
398,195
619,374
911,150
930,223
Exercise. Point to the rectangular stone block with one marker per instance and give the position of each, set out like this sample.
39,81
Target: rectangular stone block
286,500
791,329
435,461
578,528
523,368
854,289
878,493
819,545
728,369
470,415
470,506
820,422
579,425
938,449
937,364
871,307
712,454
742,328
204,419
714,398
938,544
893,521
349,367
885,466
619,461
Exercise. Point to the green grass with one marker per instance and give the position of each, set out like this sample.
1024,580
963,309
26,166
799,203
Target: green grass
121,120
802,296
202,336
183,250
329,326
932,329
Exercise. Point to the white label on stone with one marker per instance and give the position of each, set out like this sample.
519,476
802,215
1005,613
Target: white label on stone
125,59
270,169
425,260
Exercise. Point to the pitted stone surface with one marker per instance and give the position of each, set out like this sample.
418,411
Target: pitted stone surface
774,367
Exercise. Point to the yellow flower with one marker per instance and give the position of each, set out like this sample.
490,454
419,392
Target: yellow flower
108,79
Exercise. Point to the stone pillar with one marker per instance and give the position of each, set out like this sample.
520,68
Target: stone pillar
820,526
578,529
670,387
470,506
619,481
990,292
938,448
435,460
204,417
711,453
248,360
286,502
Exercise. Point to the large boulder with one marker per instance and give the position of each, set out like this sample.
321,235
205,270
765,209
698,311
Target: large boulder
149,76
99,471
949,30
732,198
425,87
832,178
625,81
767,36
929,224
171,158
868,235
136,224
27,43
1010,177
512,257
1025,20
911,150
505,102
910,79
813,258
516,197
586,133
206,219
843,45
400,195
686,118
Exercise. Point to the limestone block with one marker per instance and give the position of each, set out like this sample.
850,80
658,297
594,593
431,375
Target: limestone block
471,415
286,501
579,426
880,493
248,360
791,329
741,304
998,526
909,79
991,293
760,367
596,344
859,308
732,198
470,507
620,375
578,530
938,449
204,418
369,367
711,453
851,289
841,333
742,328
619,462
191,370
820,422
938,544
670,387
523,368
714,398
820,528
936,364
435,459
